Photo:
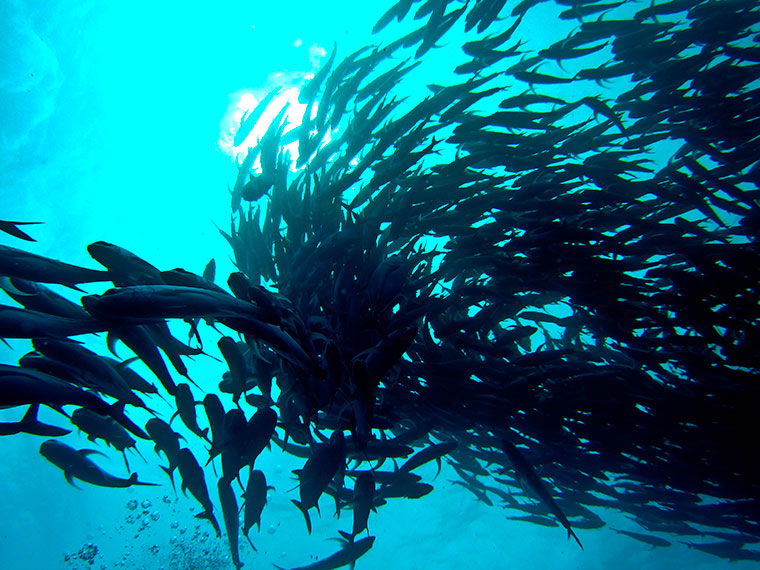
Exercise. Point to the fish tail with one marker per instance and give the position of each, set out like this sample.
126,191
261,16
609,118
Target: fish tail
571,533
305,513
133,481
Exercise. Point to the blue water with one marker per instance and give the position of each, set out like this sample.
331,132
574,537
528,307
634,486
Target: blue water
113,117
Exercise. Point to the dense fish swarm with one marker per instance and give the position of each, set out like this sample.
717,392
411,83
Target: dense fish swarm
546,269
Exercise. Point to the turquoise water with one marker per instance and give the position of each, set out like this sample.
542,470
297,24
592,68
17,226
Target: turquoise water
115,125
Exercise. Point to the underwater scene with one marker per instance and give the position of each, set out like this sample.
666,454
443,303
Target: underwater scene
416,284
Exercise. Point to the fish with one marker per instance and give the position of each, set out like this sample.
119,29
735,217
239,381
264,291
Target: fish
167,441
76,464
25,323
236,365
24,265
651,540
124,267
230,515
434,452
525,471
364,494
105,428
317,473
186,410
255,496
347,555
194,480
249,120
24,386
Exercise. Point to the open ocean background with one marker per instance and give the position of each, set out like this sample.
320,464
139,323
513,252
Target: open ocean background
115,124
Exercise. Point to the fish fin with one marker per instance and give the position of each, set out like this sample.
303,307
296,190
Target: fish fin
133,481
571,533
70,479
170,473
111,340
305,513
31,425
11,228
7,285
88,452
251,542
346,535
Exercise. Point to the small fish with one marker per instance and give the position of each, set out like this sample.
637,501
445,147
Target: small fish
250,119
525,471
76,464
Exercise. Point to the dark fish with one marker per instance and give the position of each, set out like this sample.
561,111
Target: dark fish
157,302
124,267
249,120
194,480
20,386
434,452
96,369
317,473
364,495
77,465
138,340
186,410
651,540
105,428
528,474
230,515
215,415
536,519
39,298
167,441
309,91
25,323
349,554
24,265
236,364
258,433
255,499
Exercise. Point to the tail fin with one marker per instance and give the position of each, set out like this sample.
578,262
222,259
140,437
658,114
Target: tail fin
571,533
133,481
305,513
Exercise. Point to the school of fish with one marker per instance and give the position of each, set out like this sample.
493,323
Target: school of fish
539,269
